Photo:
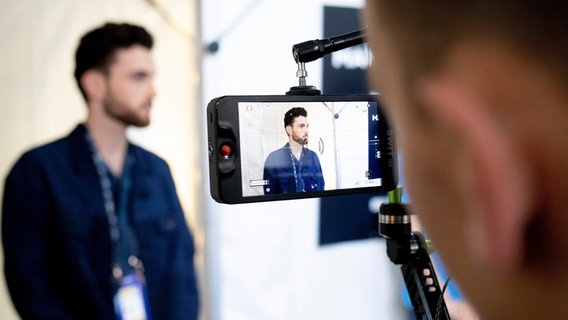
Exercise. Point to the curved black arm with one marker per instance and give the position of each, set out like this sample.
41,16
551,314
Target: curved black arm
314,49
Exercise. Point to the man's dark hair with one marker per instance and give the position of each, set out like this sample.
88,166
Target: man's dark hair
292,114
97,48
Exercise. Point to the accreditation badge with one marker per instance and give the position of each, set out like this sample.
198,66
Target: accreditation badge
130,301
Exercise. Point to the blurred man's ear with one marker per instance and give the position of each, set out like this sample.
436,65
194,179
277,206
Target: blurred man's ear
501,178
92,82
288,130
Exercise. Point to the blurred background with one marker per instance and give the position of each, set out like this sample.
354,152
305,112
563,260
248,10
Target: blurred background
301,259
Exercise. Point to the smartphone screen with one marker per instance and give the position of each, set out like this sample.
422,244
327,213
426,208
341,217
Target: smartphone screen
328,145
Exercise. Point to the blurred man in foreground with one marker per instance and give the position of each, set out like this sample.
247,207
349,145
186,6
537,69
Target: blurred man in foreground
477,91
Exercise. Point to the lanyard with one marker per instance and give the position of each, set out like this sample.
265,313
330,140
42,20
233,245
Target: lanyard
124,243
297,171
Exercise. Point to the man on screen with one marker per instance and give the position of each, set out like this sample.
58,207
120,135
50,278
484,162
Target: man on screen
293,168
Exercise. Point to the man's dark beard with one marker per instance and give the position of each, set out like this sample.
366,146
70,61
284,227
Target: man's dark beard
303,142
129,118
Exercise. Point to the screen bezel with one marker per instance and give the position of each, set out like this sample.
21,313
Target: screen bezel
226,172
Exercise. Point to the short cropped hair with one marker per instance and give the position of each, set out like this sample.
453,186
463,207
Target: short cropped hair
291,114
424,31
97,48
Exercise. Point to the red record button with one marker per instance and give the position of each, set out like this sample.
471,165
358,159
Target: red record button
226,150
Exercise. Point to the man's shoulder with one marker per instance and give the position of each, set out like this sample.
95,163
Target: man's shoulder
279,153
52,150
312,152
142,152
45,157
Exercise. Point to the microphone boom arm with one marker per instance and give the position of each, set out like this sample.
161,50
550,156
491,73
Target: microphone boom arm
311,50
314,49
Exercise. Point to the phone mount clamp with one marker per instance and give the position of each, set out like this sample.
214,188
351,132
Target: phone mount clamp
314,49
303,89
411,251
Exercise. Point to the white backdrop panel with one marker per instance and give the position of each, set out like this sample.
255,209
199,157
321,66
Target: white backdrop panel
263,259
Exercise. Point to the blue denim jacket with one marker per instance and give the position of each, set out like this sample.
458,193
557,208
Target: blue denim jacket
286,174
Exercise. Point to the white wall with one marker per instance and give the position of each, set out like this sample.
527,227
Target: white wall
39,100
263,260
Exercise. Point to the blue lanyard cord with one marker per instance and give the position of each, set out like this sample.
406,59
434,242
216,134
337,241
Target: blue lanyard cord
124,243
297,171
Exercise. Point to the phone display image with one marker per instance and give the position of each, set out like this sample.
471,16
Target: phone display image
291,147
287,147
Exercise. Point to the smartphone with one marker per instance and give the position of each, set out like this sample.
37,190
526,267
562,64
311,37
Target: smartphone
343,145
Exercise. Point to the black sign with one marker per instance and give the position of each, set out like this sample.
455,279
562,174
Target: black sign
345,218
